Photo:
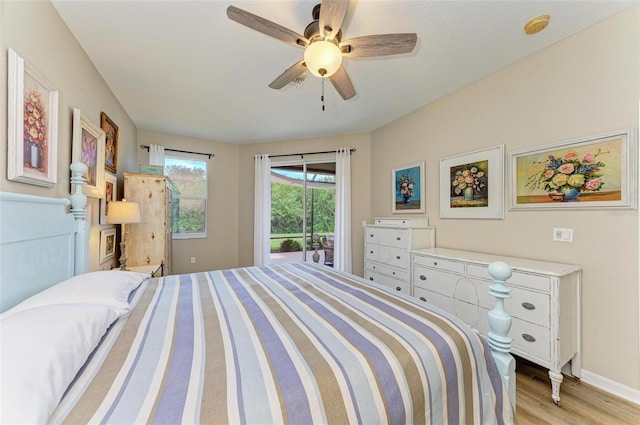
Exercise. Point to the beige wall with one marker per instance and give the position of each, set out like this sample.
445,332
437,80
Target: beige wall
36,32
219,249
585,85
360,193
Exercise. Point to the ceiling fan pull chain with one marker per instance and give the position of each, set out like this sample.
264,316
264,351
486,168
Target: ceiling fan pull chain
322,96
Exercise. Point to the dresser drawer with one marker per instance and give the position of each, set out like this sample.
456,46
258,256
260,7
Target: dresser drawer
435,299
527,305
439,263
386,270
388,255
398,238
540,283
395,284
434,280
528,338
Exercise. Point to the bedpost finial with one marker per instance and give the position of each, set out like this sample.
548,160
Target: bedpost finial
78,198
499,270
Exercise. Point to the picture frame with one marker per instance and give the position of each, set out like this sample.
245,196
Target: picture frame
88,147
32,127
408,189
596,172
107,244
110,194
472,184
111,142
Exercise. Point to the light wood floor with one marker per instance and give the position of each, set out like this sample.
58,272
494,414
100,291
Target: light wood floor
580,403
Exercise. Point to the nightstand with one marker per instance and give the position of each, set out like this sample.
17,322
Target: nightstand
154,270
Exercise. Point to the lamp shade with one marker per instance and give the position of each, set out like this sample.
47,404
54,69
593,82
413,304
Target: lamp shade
323,58
123,212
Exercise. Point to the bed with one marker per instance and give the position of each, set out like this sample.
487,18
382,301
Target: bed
293,343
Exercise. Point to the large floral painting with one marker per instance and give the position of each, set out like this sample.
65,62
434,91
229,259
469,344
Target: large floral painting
586,173
408,189
32,125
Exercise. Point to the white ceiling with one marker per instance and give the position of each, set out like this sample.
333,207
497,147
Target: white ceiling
182,67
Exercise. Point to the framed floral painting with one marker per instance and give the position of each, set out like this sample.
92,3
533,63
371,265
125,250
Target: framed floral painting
88,147
110,194
32,126
594,172
111,142
107,244
472,184
408,189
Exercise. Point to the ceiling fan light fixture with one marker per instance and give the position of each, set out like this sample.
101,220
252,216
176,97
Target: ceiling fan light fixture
323,58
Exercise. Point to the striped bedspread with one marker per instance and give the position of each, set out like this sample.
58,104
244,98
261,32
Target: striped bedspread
290,343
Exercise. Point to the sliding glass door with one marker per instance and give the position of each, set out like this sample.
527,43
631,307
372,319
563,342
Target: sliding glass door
302,211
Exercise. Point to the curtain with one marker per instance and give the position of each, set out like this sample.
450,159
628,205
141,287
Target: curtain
262,211
156,155
342,244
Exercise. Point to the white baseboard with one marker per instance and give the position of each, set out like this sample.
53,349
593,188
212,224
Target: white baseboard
613,387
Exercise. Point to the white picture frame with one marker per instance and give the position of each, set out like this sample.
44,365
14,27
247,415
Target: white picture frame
88,148
107,244
472,184
32,148
408,189
110,194
591,173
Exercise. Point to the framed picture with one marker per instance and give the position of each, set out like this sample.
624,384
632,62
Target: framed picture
107,244
110,194
408,189
32,126
111,142
472,184
594,172
88,147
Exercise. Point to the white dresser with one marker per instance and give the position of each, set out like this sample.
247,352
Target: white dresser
544,303
387,246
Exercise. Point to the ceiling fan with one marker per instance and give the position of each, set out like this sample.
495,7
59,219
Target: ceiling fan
324,48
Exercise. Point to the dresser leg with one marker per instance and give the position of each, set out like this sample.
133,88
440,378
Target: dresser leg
556,380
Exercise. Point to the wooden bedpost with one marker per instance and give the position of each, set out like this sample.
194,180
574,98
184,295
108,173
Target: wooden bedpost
500,324
78,204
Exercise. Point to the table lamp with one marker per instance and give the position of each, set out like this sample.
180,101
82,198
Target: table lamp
123,213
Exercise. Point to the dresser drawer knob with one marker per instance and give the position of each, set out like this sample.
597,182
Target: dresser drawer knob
371,278
398,288
423,299
397,257
528,306
398,238
371,252
374,267
435,263
423,277
393,273
528,338
371,235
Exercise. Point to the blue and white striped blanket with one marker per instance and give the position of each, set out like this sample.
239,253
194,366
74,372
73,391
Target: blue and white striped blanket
290,343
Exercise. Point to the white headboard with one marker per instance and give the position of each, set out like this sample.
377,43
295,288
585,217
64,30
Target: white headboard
40,243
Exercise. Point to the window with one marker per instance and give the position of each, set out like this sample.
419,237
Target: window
189,179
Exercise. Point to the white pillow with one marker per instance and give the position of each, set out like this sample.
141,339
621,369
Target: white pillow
110,288
41,351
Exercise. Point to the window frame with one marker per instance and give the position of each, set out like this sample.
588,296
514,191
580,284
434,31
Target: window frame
175,197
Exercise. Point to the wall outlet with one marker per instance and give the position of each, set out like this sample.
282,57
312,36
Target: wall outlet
561,234
193,260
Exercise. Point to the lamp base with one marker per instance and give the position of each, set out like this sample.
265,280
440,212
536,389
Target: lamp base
123,256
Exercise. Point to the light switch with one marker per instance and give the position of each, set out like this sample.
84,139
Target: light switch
561,234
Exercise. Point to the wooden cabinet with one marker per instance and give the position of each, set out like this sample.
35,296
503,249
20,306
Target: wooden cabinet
387,246
149,242
544,303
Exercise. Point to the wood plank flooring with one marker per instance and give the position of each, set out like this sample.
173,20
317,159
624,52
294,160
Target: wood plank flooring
580,403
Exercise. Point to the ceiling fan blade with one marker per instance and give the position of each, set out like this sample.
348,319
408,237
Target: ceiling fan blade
343,84
331,16
266,27
289,75
379,45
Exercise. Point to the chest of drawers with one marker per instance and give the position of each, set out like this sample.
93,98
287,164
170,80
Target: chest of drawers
544,303
388,244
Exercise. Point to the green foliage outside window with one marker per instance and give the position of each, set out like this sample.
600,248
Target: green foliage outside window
189,179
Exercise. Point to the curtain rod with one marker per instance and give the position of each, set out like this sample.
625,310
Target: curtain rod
306,153
178,150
